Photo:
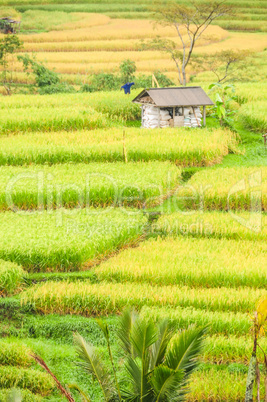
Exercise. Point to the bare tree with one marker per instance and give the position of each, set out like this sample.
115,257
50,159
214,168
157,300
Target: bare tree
189,21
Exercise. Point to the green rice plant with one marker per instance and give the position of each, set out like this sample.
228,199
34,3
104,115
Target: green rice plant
88,106
253,116
114,184
251,92
192,262
217,385
14,354
60,328
237,188
221,349
11,277
203,147
36,277
108,298
49,119
212,224
27,396
67,240
219,322
33,380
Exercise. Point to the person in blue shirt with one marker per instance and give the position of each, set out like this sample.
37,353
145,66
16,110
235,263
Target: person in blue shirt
127,87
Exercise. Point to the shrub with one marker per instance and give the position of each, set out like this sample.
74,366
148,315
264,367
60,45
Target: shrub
56,88
11,277
14,354
34,380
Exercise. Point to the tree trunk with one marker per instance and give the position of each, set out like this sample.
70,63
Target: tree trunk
251,378
184,76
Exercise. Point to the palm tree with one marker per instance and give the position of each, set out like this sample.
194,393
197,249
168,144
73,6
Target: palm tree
158,362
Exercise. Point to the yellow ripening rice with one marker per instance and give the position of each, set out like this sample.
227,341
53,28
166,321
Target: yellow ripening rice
117,29
106,298
237,188
198,262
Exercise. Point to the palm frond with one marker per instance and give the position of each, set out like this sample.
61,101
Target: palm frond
185,349
167,384
91,362
104,327
143,335
158,349
81,392
134,371
124,330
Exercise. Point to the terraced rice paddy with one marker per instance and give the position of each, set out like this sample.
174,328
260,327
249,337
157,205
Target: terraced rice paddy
227,189
96,215
194,262
66,239
99,185
11,278
206,148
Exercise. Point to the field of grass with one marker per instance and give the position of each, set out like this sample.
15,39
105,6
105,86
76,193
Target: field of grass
48,119
66,240
253,116
99,185
206,148
221,225
11,277
193,262
76,243
31,113
243,188
108,298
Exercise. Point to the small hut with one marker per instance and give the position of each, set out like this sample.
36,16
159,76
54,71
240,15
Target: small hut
9,26
173,107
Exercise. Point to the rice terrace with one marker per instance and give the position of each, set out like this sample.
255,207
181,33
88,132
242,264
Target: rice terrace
133,200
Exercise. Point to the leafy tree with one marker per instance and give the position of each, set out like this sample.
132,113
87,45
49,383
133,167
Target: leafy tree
158,362
189,22
226,65
144,81
223,97
43,75
8,46
127,69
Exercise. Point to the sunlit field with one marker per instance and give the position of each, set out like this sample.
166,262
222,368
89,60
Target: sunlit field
98,214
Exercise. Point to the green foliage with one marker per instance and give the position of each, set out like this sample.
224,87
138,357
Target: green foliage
8,46
222,109
61,328
56,89
104,82
11,277
153,369
144,81
127,70
43,76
